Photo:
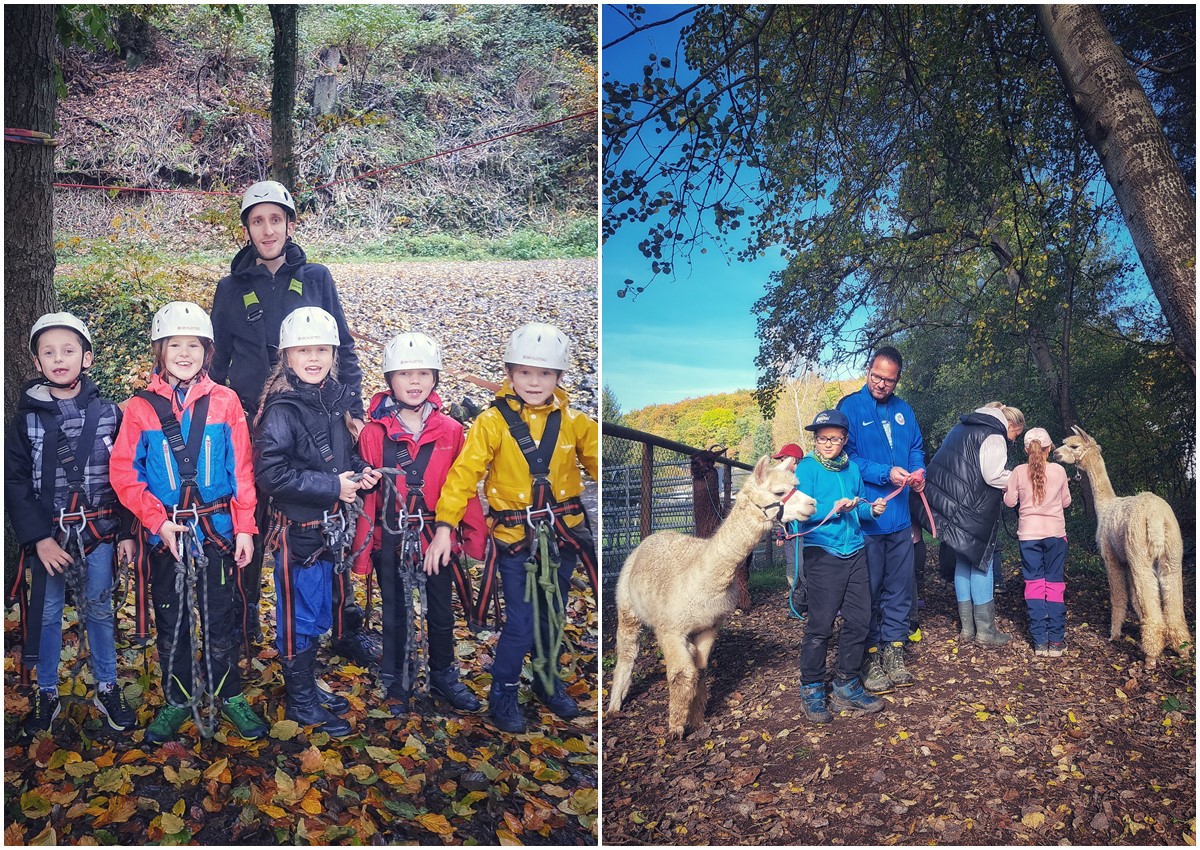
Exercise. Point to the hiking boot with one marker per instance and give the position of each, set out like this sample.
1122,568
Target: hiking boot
874,678
893,664
303,696
249,725
166,725
850,695
446,685
504,709
1056,648
1041,649
114,708
357,646
560,702
986,633
812,703
966,613
41,717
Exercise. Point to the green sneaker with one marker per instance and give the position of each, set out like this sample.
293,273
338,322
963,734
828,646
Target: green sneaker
167,723
238,712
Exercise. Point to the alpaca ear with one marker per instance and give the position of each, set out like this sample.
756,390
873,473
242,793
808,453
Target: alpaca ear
788,463
1085,435
1077,430
760,468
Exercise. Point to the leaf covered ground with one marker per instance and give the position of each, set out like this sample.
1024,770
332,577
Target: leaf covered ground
988,747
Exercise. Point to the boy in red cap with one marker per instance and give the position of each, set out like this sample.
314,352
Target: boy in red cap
793,551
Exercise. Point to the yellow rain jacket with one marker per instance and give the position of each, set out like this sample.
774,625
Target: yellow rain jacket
491,450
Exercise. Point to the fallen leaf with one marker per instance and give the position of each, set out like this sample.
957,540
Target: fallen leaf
1033,820
435,823
284,730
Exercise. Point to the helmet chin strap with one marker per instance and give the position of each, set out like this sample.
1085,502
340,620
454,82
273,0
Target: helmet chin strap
287,240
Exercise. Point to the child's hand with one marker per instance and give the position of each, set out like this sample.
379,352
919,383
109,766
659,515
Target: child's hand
243,549
126,551
438,553
349,488
845,505
169,532
878,506
370,477
53,557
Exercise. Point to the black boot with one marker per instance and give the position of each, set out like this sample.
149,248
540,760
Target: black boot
400,698
303,696
330,701
445,684
560,702
504,709
356,644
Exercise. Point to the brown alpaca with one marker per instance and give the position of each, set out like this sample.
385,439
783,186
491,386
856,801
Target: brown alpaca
1142,548
682,587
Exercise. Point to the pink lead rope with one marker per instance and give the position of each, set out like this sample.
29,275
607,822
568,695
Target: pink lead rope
919,474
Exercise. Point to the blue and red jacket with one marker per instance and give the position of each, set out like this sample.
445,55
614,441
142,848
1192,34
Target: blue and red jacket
144,473
446,434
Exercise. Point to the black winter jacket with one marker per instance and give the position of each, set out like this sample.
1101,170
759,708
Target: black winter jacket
965,507
288,465
246,338
33,504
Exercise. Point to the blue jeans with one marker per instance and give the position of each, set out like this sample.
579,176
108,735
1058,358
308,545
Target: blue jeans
310,605
970,584
99,620
516,638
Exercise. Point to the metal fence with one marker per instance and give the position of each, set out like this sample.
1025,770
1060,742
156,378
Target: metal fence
647,486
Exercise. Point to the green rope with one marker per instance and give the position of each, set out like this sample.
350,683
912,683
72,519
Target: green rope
541,588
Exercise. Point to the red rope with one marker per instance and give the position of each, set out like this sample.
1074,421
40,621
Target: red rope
364,176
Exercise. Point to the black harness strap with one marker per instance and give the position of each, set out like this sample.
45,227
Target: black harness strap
186,453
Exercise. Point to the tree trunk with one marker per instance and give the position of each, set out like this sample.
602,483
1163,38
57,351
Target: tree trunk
29,102
283,93
1119,122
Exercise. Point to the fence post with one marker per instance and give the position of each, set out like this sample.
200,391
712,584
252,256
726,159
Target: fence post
647,488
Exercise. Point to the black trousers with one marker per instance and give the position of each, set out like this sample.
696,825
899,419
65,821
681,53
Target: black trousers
175,657
396,613
835,583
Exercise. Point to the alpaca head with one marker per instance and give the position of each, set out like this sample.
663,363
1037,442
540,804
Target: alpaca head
1077,448
772,489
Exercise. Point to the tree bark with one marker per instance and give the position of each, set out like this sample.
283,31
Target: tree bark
283,93
1119,122
29,102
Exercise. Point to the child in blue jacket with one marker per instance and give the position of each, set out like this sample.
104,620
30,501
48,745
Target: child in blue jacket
836,568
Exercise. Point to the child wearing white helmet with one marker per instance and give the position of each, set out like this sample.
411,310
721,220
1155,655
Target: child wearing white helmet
409,432
182,465
64,516
1040,491
529,445
306,464
269,278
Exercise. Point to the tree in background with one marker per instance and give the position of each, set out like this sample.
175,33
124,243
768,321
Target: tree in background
283,93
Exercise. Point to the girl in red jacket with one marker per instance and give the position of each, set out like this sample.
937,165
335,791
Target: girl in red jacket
182,463
408,431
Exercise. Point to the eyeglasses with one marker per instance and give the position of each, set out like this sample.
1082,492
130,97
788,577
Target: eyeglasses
830,441
879,379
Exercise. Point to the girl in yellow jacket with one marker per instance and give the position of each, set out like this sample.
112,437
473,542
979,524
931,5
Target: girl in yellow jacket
529,445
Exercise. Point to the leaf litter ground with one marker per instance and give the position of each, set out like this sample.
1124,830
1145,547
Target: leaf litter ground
988,747
430,777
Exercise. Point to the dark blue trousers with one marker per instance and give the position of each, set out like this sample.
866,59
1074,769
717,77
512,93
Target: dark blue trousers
893,584
1042,563
516,638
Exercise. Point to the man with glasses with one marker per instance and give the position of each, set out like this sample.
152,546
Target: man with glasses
885,443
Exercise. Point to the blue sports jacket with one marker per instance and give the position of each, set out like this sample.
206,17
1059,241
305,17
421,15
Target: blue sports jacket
868,447
842,535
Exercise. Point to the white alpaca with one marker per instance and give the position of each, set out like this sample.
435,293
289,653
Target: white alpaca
682,587
1142,548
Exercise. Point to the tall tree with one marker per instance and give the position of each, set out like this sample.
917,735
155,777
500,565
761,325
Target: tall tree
29,103
283,93
1120,124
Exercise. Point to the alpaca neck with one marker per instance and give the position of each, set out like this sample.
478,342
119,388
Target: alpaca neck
1097,474
736,537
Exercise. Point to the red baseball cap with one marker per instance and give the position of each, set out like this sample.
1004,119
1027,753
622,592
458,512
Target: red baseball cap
789,450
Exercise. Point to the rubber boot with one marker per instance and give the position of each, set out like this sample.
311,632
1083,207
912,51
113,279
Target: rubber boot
560,702
504,709
966,613
330,701
303,700
986,633
812,703
446,685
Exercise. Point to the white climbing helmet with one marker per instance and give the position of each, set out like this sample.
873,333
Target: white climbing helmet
538,344
308,326
411,351
181,318
58,320
268,192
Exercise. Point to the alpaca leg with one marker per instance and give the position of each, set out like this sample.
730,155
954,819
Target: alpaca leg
1117,593
682,677
628,639
702,644
1145,590
1170,583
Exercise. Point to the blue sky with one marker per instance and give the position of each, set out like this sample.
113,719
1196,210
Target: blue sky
684,337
